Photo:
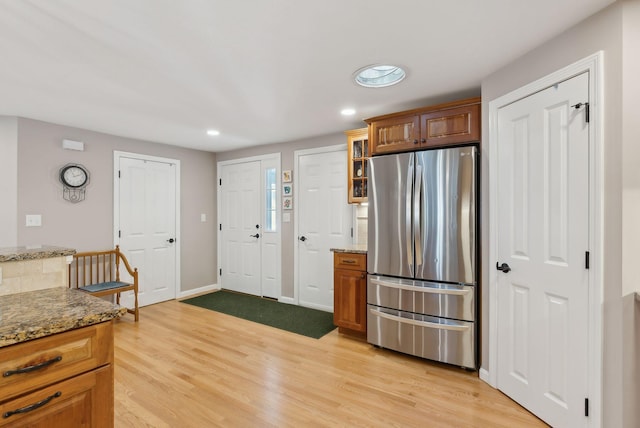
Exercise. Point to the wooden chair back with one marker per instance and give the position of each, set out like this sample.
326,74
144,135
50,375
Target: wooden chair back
99,273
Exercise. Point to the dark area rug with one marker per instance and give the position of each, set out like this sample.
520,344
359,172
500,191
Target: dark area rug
296,319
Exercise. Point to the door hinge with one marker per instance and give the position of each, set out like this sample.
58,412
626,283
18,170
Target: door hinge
586,407
220,272
221,181
586,110
220,226
352,232
586,259
118,173
119,234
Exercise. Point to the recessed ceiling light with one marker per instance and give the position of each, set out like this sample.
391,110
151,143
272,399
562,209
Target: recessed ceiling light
213,132
348,112
379,76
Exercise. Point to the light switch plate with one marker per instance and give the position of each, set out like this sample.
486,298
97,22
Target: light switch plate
203,218
33,220
286,218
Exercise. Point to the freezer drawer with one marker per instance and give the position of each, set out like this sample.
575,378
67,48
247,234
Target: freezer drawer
424,297
428,337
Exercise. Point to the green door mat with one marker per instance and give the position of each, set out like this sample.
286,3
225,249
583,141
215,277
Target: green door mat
296,319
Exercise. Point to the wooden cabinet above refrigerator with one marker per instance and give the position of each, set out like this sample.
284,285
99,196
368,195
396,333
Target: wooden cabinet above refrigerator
440,125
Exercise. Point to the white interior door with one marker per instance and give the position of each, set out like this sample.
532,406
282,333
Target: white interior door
324,221
147,226
543,236
240,223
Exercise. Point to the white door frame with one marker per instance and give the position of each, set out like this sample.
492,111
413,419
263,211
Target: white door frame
271,156
116,203
594,66
296,161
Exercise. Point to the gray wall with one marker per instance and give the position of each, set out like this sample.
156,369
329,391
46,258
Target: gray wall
287,150
88,225
630,212
602,31
8,181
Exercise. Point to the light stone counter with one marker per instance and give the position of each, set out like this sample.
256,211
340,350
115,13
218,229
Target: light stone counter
357,248
10,254
34,314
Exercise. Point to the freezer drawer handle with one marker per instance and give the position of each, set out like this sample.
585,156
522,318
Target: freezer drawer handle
419,323
421,289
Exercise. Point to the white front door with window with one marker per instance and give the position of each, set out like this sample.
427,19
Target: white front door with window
324,221
249,243
145,223
542,245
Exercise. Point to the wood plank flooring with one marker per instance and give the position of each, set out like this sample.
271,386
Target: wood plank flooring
184,366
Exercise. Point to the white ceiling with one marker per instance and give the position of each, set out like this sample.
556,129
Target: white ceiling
260,71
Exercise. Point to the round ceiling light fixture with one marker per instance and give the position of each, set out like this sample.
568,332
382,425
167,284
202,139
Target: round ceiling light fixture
347,111
213,132
379,76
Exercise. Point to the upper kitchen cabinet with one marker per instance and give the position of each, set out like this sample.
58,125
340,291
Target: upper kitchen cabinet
435,126
358,153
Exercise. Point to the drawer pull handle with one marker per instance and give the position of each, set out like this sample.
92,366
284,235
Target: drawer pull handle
349,261
33,406
33,367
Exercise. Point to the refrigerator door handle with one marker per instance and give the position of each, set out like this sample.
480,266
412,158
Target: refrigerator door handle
417,215
428,324
407,220
432,290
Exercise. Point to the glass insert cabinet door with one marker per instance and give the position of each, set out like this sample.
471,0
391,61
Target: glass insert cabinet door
358,154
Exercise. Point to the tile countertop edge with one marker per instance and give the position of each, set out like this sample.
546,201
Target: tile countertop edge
13,254
35,314
358,249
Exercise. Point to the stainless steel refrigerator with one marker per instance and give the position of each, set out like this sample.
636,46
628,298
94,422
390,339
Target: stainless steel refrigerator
422,254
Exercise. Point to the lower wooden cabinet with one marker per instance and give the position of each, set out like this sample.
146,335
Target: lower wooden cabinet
350,292
63,380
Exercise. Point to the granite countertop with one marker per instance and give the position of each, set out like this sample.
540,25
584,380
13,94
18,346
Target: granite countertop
12,254
34,314
356,248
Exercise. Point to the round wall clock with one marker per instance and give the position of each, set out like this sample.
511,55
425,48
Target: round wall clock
73,175
74,178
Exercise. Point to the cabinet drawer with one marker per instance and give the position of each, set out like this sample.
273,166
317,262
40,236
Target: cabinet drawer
355,261
85,400
34,364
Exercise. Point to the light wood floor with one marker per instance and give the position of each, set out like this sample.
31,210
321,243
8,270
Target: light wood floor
183,366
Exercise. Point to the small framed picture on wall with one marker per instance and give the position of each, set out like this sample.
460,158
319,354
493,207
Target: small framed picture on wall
287,190
287,203
286,176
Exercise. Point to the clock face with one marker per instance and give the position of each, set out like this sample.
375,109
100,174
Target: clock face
74,176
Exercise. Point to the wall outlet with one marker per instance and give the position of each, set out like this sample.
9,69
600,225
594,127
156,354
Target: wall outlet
34,220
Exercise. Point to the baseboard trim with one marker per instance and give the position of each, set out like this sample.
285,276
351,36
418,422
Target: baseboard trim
201,290
484,376
287,300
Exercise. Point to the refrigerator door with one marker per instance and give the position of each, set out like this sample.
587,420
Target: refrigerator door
429,298
445,221
390,232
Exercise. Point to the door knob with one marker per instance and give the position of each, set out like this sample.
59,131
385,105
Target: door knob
171,240
257,235
503,267
302,238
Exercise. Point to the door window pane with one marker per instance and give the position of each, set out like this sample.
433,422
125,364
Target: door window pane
270,200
